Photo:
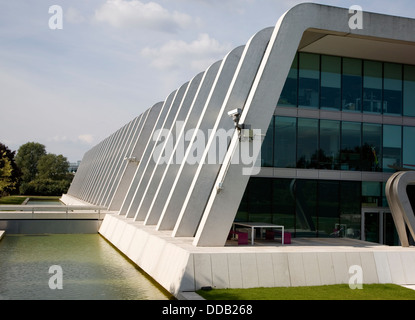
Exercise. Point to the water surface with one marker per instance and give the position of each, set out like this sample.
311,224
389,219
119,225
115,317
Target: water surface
92,270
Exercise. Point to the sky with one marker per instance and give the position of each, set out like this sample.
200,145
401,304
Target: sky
70,87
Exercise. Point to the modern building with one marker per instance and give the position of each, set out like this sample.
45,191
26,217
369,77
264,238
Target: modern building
326,98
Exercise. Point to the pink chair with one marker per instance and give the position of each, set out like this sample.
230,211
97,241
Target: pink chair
243,238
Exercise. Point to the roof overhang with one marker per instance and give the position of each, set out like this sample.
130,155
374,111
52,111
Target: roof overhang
357,46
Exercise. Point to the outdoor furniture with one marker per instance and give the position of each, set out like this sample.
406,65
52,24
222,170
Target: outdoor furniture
259,225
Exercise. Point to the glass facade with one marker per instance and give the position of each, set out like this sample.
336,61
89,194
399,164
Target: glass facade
305,143
310,140
350,85
307,208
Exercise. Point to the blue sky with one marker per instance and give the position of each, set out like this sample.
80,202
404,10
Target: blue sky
71,88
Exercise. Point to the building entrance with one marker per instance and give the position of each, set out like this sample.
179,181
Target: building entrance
378,226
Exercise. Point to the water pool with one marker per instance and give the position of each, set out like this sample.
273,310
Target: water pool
91,270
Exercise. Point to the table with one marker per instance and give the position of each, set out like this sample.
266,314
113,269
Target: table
260,225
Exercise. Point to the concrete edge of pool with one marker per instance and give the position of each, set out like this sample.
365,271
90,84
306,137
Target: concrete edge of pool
180,267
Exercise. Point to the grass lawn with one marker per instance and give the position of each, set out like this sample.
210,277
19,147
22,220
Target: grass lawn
12,200
336,292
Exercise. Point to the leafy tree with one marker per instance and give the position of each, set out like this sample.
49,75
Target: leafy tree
9,172
52,167
27,159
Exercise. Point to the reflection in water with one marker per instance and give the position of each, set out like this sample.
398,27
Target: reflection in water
92,269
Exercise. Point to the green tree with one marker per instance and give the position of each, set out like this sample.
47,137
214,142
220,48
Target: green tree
54,167
27,158
9,172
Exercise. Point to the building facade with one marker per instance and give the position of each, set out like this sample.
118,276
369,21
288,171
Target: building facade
341,127
333,107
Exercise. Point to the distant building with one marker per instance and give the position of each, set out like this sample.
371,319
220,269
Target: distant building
73,166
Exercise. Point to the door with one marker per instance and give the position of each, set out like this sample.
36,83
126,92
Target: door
378,226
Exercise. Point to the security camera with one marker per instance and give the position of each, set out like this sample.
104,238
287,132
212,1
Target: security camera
235,113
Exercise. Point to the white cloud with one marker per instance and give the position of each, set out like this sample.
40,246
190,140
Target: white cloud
86,138
198,54
135,14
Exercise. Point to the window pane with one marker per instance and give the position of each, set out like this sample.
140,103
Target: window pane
330,82
392,146
309,80
409,91
392,94
350,146
288,96
352,85
372,147
408,147
328,209
307,145
306,208
260,200
350,208
371,194
329,144
372,87
267,148
285,142
284,204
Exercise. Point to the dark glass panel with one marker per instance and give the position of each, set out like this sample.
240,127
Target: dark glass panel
392,148
309,80
372,147
284,204
288,97
330,96
329,144
351,146
392,92
372,87
352,85
285,142
328,209
409,91
350,208
307,144
306,207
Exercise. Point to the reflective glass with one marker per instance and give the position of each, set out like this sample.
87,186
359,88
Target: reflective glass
371,194
350,208
284,203
372,147
288,96
408,147
267,148
329,144
260,200
392,93
307,144
330,96
372,87
351,146
352,85
328,209
392,148
409,91
306,208
285,142
309,80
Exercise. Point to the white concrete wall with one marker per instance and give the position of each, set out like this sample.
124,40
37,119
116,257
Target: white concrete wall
179,266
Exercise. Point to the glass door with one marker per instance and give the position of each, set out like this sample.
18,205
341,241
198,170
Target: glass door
378,226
